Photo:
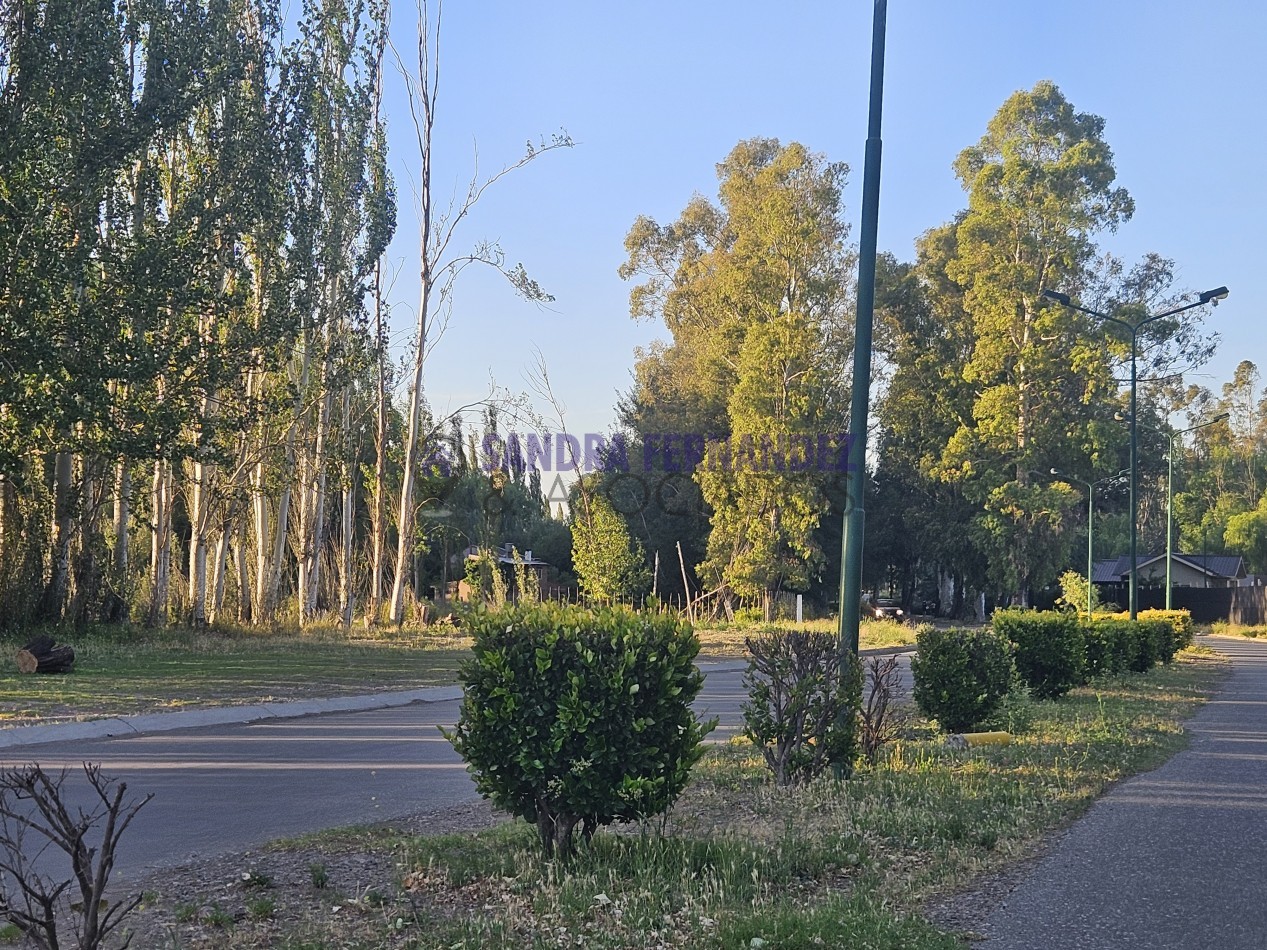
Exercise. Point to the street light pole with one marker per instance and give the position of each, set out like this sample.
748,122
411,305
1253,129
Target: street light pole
1170,492
856,478
1091,523
1206,297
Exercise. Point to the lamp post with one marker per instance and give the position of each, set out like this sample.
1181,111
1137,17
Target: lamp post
1205,297
855,514
1170,492
1091,521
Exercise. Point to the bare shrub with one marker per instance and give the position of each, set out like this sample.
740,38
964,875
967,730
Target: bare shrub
882,716
35,819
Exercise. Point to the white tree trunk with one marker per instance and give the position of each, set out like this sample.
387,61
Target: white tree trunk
347,526
160,542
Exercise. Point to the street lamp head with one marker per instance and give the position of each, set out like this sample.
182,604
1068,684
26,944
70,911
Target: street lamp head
1060,298
1214,296
1220,417
1055,471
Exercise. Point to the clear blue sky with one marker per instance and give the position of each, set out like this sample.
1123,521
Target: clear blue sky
656,93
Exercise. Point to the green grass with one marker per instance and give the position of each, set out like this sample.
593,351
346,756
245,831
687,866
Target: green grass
1221,628
126,670
741,863
727,640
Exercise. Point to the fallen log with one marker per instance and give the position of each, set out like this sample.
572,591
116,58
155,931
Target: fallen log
42,655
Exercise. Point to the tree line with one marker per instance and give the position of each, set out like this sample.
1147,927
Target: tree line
993,407
201,417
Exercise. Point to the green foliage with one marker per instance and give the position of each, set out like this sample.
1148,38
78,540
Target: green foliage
1116,644
753,291
1161,634
1073,592
961,675
1179,620
610,565
1048,647
1103,647
571,714
803,702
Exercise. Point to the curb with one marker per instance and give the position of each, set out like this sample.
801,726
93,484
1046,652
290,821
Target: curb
147,723
217,716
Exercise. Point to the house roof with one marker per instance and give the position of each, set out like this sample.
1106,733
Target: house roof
506,555
1116,570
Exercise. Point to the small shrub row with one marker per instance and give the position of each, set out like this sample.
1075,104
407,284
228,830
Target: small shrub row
1055,651
962,677
1050,651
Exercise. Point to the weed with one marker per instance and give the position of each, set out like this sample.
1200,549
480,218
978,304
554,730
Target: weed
319,875
217,916
256,880
186,913
261,907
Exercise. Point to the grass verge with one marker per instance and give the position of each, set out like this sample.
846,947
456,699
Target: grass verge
1222,628
740,863
728,640
125,670
128,670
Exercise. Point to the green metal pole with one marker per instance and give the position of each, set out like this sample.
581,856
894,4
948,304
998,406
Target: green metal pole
1134,586
1170,501
1090,520
855,510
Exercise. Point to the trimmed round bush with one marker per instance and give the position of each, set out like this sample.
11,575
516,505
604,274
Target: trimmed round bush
1049,648
961,675
572,715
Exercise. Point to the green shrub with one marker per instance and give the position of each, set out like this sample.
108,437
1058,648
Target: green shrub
1144,654
961,676
1180,622
1131,646
802,709
1049,648
570,714
1106,645
1162,635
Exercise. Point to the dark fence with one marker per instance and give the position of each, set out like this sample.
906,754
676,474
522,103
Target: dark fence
1243,605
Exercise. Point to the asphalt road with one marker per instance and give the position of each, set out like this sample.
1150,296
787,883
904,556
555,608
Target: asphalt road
228,788
1171,859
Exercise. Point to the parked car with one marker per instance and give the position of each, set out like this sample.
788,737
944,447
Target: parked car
885,608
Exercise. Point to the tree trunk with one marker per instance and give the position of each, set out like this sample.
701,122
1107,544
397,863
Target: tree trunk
218,567
245,604
41,655
198,526
63,526
160,542
117,608
346,523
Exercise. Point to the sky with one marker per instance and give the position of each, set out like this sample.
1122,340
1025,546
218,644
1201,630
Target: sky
655,94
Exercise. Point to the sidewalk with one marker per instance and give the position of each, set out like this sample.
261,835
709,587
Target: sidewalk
1174,858
18,736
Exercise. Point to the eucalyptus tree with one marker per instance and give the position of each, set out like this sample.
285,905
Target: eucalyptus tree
754,294
1040,186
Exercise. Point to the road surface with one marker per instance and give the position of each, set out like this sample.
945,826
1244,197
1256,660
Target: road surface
229,788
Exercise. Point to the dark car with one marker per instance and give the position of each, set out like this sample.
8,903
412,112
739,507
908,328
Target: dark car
885,608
